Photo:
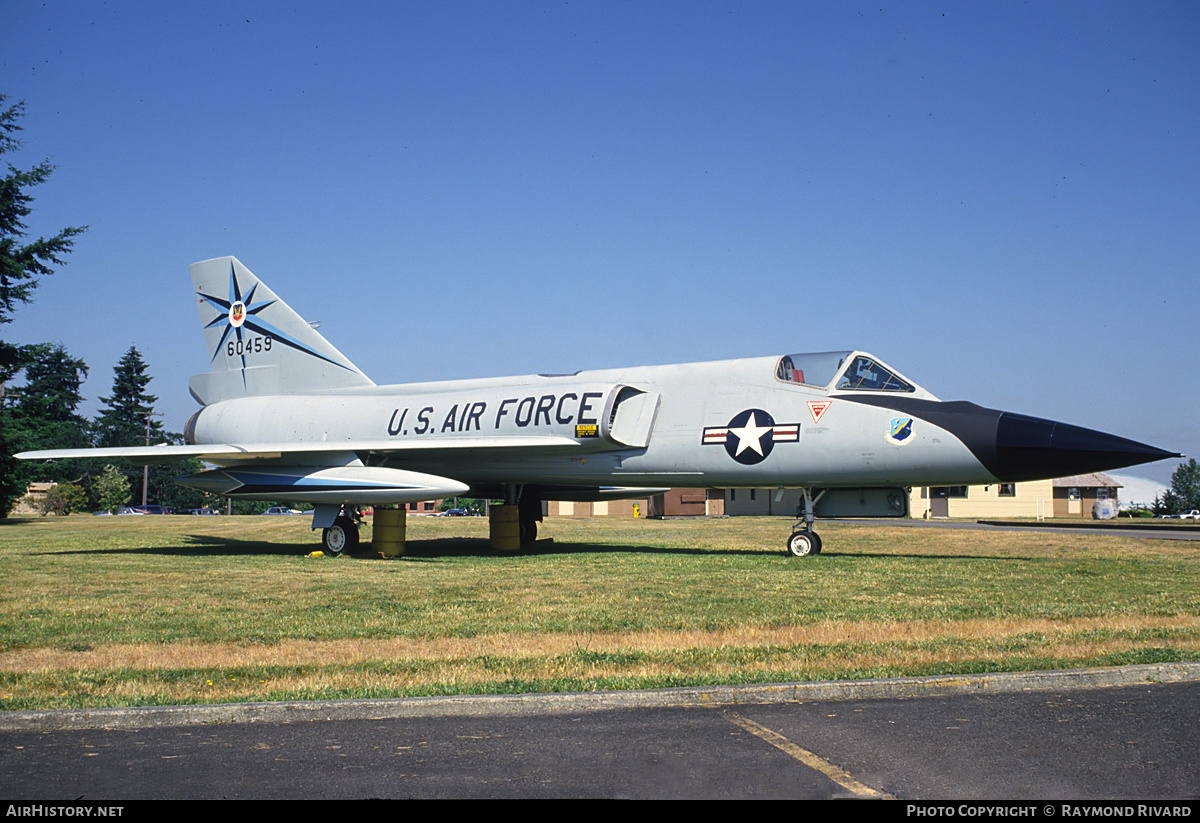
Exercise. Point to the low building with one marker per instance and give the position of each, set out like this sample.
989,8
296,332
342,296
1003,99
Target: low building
998,500
31,501
688,503
600,508
1064,497
673,503
1076,496
423,507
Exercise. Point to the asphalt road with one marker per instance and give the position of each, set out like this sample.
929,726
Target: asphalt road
1008,737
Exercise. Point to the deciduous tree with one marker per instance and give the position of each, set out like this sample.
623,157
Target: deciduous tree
112,489
64,498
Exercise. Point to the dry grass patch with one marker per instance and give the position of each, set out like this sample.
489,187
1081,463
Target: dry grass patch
1059,635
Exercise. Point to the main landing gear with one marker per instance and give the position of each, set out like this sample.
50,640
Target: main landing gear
529,514
342,535
803,541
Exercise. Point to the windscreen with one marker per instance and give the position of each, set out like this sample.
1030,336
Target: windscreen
866,373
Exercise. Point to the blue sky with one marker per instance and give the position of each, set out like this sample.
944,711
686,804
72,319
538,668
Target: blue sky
998,199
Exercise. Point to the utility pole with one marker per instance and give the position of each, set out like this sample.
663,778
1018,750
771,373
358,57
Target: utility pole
146,468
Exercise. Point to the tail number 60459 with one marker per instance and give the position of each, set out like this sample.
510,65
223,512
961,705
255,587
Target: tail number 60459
251,345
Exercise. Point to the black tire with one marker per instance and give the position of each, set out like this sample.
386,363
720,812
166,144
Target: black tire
528,529
341,537
803,544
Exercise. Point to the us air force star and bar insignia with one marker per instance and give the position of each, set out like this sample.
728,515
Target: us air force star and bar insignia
751,435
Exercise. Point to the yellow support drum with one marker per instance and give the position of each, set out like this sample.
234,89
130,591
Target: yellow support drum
387,531
504,528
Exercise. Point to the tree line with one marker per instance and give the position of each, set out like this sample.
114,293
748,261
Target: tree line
42,412
40,383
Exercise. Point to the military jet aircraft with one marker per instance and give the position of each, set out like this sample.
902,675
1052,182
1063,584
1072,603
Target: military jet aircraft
286,416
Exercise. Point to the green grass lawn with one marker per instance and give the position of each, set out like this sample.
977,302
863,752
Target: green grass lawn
158,610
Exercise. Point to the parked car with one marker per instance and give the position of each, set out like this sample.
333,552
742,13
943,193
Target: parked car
154,509
283,510
1192,515
127,510
205,510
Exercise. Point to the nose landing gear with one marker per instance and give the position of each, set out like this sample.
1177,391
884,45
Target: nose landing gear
803,541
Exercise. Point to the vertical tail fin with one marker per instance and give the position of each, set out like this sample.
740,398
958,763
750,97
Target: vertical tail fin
256,343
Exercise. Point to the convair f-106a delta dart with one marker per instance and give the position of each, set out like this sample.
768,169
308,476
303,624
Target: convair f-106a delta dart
285,416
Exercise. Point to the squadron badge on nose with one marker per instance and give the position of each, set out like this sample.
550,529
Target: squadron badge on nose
900,430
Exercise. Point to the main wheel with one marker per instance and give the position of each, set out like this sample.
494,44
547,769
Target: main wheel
342,536
529,512
528,527
803,544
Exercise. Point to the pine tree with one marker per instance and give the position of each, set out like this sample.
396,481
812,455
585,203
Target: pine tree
42,413
53,380
20,266
1184,495
123,420
127,418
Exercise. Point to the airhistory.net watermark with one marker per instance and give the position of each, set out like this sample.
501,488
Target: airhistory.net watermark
51,810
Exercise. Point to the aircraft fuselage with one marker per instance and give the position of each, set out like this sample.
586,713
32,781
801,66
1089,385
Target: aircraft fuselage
720,424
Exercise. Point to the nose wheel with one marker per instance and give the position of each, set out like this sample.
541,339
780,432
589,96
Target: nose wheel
803,543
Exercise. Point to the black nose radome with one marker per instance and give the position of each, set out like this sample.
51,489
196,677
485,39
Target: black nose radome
1029,448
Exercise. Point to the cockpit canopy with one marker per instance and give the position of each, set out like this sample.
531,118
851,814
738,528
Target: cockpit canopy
844,371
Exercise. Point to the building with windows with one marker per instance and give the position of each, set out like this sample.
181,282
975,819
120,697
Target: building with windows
1064,497
1031,499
